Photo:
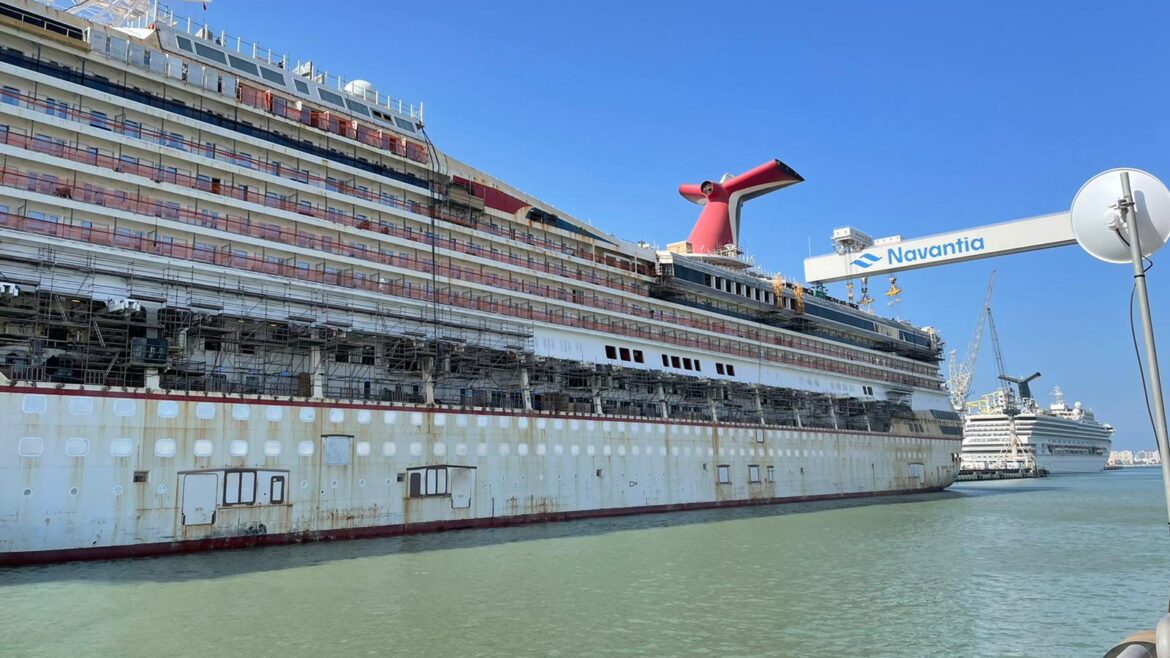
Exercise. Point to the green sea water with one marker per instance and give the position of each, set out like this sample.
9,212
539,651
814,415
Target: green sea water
1062,566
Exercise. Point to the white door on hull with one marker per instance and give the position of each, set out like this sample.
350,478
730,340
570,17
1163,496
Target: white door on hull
200,491
462,480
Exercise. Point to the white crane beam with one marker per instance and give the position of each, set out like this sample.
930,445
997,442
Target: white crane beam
894,254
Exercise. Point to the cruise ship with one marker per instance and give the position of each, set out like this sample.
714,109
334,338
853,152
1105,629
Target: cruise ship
244,301
1000,433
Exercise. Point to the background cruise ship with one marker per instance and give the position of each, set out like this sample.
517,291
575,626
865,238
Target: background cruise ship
244,301
1003,432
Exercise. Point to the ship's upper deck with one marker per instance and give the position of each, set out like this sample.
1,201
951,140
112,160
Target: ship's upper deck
126,142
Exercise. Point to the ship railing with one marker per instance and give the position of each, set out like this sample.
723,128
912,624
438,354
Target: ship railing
274,168
141,204
256,51
273,200
226,257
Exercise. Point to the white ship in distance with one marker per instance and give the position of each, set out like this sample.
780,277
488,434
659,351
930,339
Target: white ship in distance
1003,431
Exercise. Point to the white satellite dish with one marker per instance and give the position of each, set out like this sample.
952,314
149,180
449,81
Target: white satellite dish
1097,219
1123,216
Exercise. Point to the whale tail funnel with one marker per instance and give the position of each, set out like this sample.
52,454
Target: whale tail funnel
718,224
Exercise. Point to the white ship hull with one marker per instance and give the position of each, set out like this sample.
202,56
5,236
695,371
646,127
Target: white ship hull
1054,444
100,474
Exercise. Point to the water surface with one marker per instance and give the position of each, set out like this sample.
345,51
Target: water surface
1062,566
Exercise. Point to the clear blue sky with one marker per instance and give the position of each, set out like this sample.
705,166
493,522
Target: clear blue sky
904,117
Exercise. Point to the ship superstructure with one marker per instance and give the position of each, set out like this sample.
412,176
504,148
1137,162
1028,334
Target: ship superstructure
1002,431
245,301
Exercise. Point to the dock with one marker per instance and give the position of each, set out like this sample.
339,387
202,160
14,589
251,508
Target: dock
973,474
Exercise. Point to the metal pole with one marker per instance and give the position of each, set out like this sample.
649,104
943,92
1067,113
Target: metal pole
1139,279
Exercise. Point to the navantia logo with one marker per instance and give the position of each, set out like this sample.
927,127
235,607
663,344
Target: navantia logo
901,255
866,260
958,247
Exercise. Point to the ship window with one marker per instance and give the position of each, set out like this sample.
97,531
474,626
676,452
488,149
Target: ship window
239,488
431,481
625,352
698,365
184,43
404,124
754,473
243,64
730,370
330,97
610,352
357,107
665,361
56,108
771,474
719,368
301,86
675,362
638,358
276,489
10,96
724,471
686,363
99,120
206,51
272,76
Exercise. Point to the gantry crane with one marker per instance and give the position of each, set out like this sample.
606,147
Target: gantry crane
961,373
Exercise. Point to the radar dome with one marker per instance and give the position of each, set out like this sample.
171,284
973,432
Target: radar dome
360,88
1077,404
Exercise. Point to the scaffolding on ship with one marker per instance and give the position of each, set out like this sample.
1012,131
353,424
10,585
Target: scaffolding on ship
71,324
